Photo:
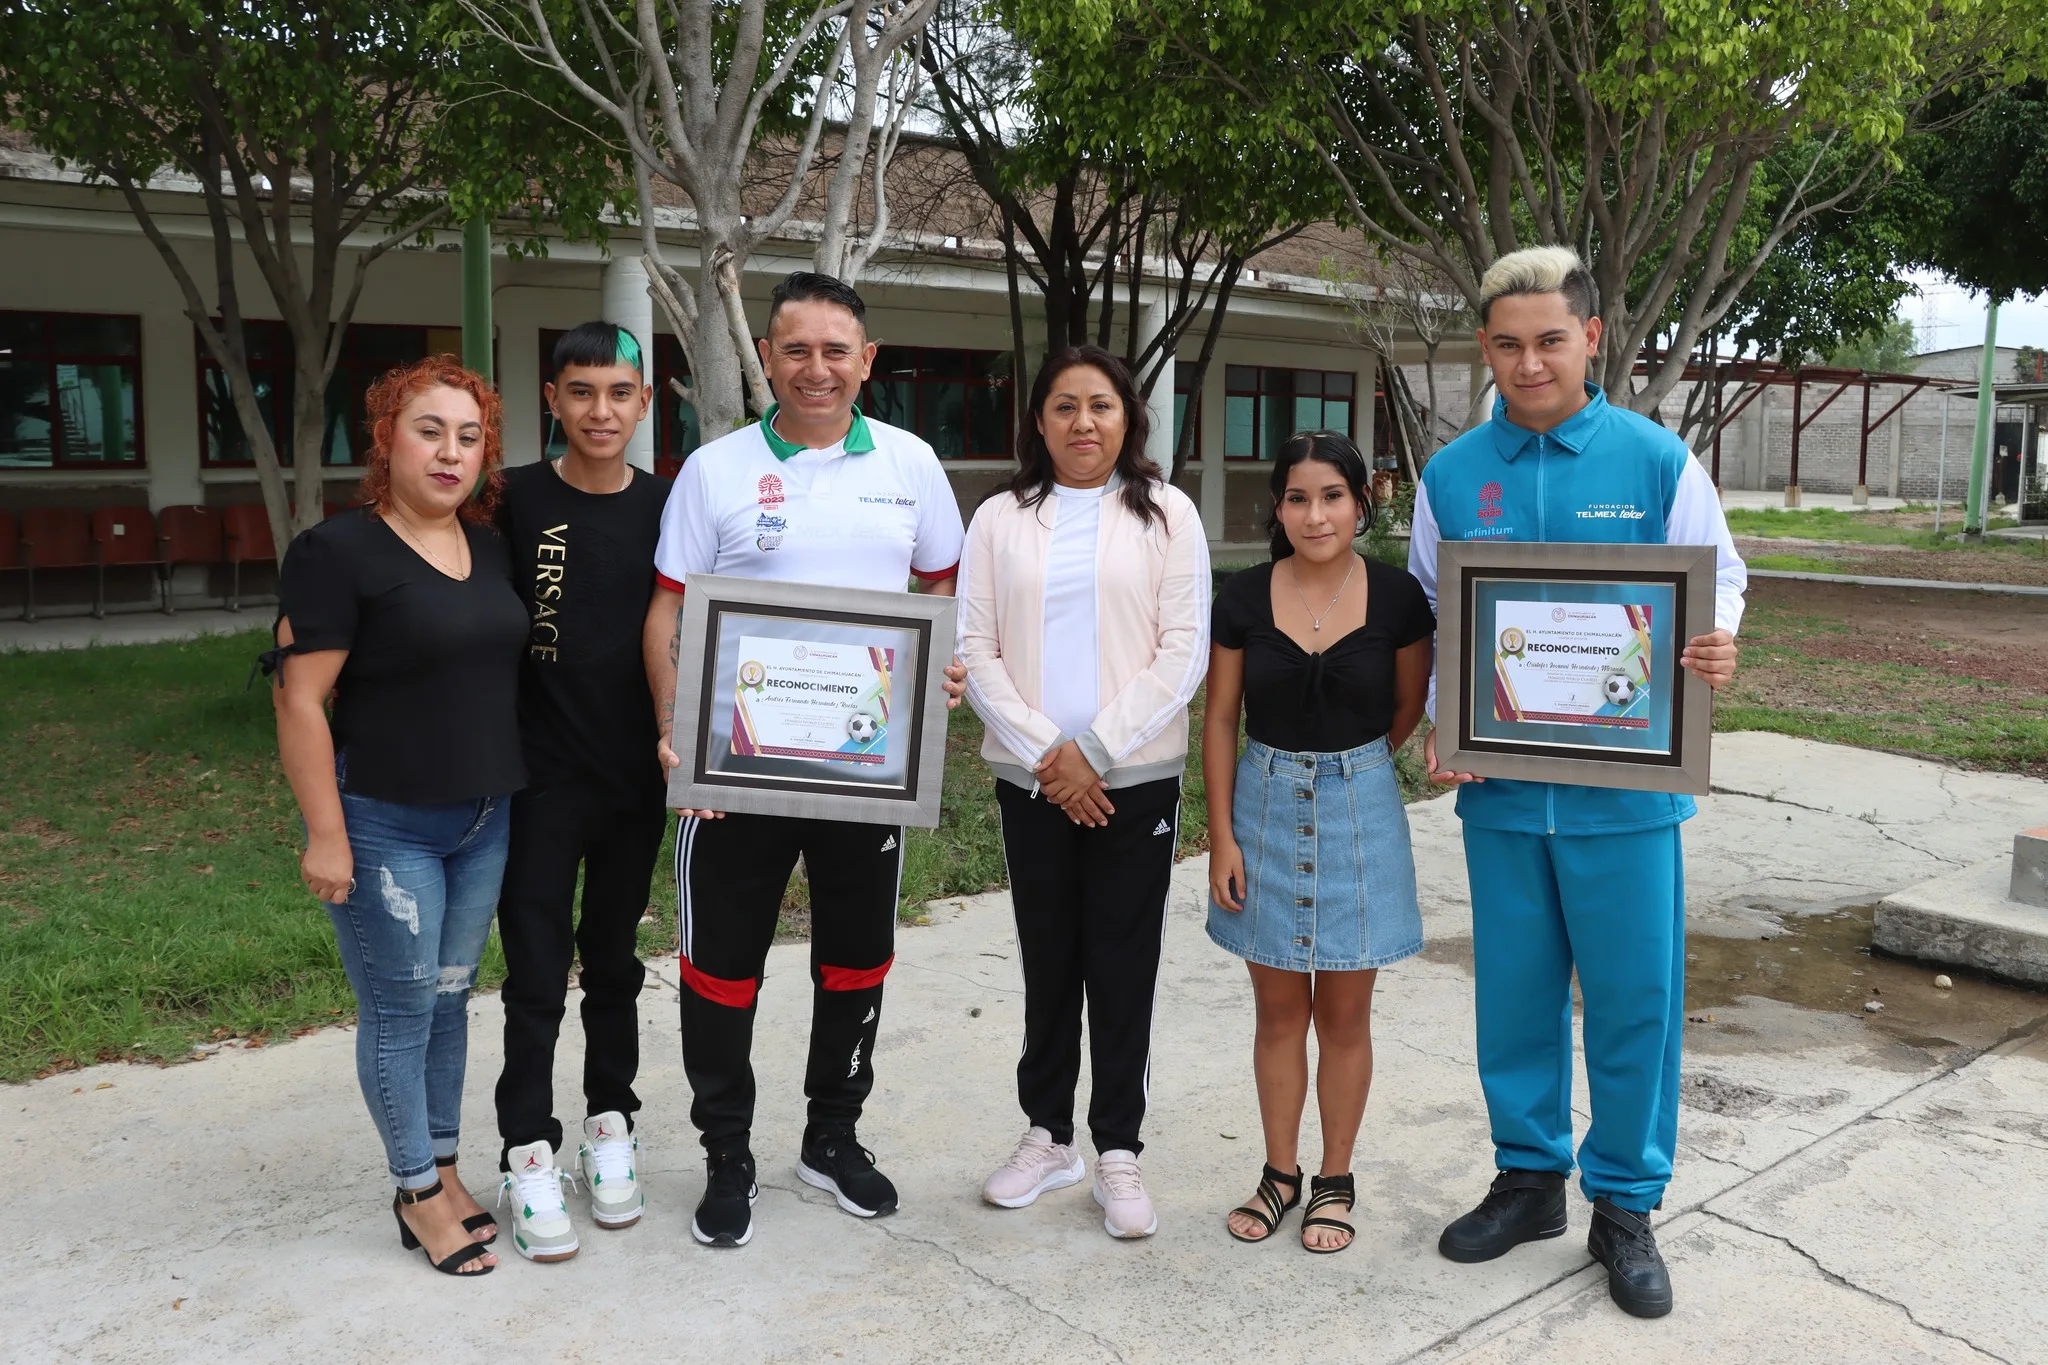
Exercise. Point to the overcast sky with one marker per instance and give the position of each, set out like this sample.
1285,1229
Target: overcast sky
1946,316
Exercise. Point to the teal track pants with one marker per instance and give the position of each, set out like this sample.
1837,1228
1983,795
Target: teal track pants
1613,906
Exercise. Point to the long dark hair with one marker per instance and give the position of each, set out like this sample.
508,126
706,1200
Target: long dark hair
1332,448
1033,481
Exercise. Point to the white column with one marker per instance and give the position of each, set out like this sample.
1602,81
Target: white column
1159,407
624,300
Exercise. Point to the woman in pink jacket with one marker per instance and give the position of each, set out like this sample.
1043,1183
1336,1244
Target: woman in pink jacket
1084,625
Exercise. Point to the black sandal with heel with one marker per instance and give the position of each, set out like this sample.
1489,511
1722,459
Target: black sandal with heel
1323,1192
451,1264
476,1222
1275,1208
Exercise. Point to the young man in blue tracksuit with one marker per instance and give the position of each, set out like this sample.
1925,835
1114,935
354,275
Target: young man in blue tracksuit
1568,877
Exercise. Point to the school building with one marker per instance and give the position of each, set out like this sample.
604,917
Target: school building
109,401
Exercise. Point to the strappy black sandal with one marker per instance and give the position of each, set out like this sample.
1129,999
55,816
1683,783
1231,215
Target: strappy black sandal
453,1263
1323,1192
1274,1208
476,1222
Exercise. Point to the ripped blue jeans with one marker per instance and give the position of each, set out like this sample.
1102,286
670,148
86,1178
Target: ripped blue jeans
426,886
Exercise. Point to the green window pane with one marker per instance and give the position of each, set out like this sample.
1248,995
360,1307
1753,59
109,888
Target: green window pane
893,401
344,419
944,419
678,431
1276,424
1180,417
225,442
1337,417
24,415
98,404
988,421
1308,415
1240,438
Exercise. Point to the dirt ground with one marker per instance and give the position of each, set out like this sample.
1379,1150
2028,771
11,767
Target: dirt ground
2001,639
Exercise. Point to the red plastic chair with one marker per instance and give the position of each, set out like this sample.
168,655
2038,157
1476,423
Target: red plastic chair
54,538
245,535
188,535
125,536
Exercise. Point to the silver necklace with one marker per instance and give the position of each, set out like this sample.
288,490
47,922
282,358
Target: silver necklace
1315,621
414,539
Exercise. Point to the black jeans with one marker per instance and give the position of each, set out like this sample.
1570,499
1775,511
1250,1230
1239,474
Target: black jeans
554,830
1091,917
730,876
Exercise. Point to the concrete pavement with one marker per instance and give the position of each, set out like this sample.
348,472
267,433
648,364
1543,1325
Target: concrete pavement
1851,1187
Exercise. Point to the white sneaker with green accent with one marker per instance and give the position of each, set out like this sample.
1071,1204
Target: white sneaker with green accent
610,1162
541,1230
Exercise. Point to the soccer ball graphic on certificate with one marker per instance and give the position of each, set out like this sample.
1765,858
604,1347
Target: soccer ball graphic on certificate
1619,688
862,727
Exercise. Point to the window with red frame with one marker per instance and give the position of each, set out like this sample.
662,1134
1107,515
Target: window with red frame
1263,406
69,391
959,401
367,352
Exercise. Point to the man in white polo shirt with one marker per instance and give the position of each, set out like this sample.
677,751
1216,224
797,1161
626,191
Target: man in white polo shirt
812,493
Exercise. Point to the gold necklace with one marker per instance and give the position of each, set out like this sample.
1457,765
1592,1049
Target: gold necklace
414,539
1315,621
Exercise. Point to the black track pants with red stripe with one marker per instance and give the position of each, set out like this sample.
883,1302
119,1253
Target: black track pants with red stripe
730,878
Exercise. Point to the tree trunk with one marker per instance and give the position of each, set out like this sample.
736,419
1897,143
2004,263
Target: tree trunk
309,425
717,383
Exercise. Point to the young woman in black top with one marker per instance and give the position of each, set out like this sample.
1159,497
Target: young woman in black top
404,610
1311,879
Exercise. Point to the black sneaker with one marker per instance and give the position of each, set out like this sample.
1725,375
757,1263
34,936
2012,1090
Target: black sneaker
1522,1206
1622,1241
835,1161
725,1215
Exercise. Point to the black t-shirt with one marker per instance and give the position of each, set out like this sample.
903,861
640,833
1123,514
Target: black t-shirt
584,566
1343,697
426,704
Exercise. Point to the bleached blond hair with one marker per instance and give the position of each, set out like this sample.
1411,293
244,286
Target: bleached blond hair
1539,270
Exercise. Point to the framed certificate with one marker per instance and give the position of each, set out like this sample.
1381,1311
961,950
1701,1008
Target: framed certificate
1559,663
811,701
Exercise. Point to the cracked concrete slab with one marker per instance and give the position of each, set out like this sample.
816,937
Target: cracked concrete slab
230,1209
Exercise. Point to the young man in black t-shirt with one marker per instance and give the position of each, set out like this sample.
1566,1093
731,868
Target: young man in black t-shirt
582,532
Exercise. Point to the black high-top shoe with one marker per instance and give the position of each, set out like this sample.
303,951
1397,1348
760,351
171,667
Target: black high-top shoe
1622,1241
1522,1206
725,1216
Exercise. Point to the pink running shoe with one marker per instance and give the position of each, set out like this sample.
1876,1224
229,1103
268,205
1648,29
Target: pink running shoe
1120,1189
1039,1164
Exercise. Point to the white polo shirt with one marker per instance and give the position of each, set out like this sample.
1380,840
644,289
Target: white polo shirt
869,512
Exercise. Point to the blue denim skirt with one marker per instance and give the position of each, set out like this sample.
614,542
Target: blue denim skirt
1326,855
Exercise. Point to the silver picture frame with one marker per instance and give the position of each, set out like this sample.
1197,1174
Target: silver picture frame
716,773
1469,571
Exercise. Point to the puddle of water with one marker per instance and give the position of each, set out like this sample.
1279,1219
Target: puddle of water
1825,962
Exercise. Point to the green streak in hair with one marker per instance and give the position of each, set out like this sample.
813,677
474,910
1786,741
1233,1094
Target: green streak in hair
629,351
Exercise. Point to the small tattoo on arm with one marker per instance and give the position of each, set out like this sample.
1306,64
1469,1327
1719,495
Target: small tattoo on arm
675,648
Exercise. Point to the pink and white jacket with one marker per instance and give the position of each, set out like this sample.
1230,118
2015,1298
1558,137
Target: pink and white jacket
1152,648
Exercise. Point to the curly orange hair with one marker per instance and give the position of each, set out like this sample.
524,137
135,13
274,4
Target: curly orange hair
387,399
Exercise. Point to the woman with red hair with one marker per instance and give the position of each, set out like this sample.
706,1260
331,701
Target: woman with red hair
403,611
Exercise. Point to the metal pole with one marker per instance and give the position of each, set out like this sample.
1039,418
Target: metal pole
1862,495
476,296
1941,467
1798,402
1979,492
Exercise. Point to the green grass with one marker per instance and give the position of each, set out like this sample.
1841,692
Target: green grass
1789,685
1861,528
149,889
